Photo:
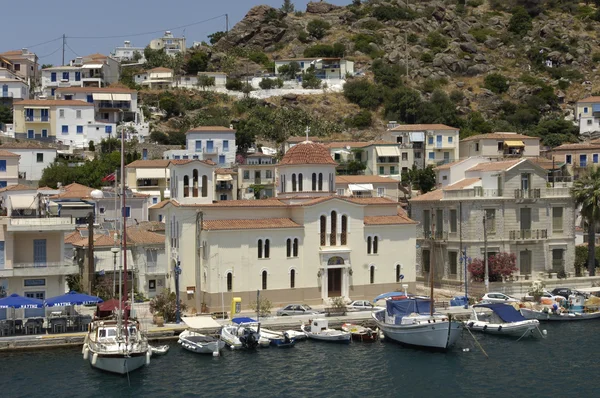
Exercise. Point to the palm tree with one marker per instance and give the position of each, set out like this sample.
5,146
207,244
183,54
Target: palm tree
586,192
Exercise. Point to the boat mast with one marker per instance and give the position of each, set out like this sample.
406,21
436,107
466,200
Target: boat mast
124,227
431,267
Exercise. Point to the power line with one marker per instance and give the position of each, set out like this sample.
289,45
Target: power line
147,33
52,53
73,51
46,42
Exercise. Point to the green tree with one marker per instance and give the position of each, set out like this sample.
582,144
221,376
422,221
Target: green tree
403,105
45,66
215,37
325,50
392,12
205,81
287,6
289,71
310,80
156,58
436,42
586,193
197,62
234,85
388,75
267,84
171,106
496,83
6,115
361,120
422,179
520,22
318,28
363,93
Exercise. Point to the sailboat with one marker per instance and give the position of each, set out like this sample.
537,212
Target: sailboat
411,320
118,345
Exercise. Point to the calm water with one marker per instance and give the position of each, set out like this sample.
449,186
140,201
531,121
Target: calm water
567,361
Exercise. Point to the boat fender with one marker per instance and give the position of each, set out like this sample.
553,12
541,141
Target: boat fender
485,327
148,355
94,358
84,347
86,352
500,328
470,324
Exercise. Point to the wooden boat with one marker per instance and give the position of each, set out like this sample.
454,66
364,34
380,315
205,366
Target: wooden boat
159,350
503,319
200,343
574,310
319,330
360,333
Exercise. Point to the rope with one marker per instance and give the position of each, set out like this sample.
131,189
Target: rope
478,345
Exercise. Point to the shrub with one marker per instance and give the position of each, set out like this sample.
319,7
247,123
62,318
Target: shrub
456,96
563,84
205,81
258,57
303,37
481,34
362,42
371,25
289,71
309,80
496,83
520,22
502,264
363,93
165,304
318,28
412,38
267,84
264,306
234,85
389,75
325,50
430,85
427,57
362,120
91,146
436,42
391,13
565,72
596,57
474,3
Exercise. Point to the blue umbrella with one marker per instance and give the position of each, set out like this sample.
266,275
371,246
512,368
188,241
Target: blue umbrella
72,298
16,301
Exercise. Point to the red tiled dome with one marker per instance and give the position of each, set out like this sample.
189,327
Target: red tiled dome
307,153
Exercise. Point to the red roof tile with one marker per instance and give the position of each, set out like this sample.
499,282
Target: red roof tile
160,204
387,220
495,166
53,103
150,164
499,136
74,191
307,153
364,179
6,154
265,223
418,127
208,129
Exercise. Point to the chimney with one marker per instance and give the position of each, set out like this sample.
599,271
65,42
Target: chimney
24,51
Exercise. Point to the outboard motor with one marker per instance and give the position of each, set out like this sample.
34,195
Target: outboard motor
249,339
286,338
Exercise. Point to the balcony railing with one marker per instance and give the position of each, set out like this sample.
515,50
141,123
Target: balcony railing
37,118
225,187
6,94
40,264
385,160
528,234
527,193
553,192
212,150
41,222
476,192
438,235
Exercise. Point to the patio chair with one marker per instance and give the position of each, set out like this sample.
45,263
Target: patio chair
4,329
19,326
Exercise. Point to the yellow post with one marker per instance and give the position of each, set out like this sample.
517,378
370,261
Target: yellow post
236,306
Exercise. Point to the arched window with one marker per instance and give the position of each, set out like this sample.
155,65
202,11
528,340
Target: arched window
229,281
195,183
372,274
264,280
204,186
295,247
314,181
288,247
320,181
300,184
375,244
267,248
186,186
323,230
294,182
333,237
344,237
398,273
260,248
369,244
292,279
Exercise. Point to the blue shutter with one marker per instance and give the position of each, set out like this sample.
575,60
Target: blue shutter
1,254
52,90
53,78
45,133
144,154
79,129
595,157
90,99
3,184
77,76
65,129
225,146
108,129
2,165
221,159
198,146
30,134
65,75
39,252
126,212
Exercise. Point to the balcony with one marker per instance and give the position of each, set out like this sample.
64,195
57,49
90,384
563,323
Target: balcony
444,145
44,269
40,224
37,119
6,94
211,151
156,269
224,187
557,192
388,160
438,235
124,105
477,192
528,234
527,194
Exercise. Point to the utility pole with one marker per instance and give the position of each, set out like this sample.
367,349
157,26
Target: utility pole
485,256
226,23
90,267
200,252
64,42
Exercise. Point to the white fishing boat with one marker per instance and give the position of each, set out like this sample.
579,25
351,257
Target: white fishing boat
200,343
159,350
501,319
278,339
243,333
575,309
319,330
411,321
360,333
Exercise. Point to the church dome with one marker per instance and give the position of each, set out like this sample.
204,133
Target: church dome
307,152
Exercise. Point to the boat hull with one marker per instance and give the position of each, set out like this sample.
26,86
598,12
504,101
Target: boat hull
565,317
208,348
341,337
440,335
118,363
516,329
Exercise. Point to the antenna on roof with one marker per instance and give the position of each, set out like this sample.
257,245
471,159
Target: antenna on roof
307,131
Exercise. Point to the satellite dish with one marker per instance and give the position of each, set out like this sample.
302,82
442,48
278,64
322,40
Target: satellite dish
97,194
348,147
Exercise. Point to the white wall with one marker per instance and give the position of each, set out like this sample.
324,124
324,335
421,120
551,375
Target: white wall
28,163
15,89
92,130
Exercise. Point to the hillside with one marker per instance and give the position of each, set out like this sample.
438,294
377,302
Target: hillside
481,65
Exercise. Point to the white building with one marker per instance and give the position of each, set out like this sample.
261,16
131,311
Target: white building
308,245
13,88
500,145
214,143
34,157
171,44
157,78
25,65
127,52
325,68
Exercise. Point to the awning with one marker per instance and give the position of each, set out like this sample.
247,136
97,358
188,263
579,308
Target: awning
201,322
151,173
360,187
121,97
92,66
416,137
387,151
224,177
102,97
344,151
514,143
76,205
24,202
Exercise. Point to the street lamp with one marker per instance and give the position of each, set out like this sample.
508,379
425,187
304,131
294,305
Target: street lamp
465,260
114,251
177,272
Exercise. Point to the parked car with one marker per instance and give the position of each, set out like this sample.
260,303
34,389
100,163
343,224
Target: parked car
297,309
565,292
494,298
546,295
362,305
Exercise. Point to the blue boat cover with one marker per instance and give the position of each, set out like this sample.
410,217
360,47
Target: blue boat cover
401,308
506,312
243,320
459,301
387,295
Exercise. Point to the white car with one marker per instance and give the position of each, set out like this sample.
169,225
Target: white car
494,298
545,295
362,305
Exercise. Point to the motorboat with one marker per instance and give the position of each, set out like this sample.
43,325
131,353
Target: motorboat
503,319
278,339
200,343
319,330
360,333
410,320
159,350
113,350
243,333
576,308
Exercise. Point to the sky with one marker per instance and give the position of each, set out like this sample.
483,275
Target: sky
39,25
